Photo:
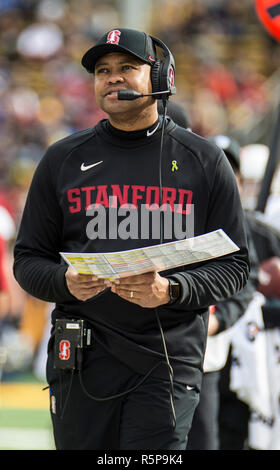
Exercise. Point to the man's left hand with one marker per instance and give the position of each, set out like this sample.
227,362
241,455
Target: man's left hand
148,290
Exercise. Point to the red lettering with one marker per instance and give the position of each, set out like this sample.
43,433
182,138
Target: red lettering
121,196
168,199
76,200
102,197
135,195
130,196
149,192
185,194
87,190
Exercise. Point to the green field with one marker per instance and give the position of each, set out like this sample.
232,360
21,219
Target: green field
25,422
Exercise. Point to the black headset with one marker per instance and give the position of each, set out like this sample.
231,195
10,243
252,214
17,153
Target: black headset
163,72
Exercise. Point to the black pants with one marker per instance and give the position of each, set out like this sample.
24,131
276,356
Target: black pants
233,417
204,434
142,419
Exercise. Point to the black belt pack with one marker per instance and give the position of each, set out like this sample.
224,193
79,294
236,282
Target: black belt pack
69,336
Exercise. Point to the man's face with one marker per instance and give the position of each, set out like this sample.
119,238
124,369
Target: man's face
117,71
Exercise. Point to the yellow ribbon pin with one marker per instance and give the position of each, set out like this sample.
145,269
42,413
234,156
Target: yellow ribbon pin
174,165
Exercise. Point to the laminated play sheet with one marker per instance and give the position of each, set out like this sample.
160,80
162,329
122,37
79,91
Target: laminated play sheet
161,257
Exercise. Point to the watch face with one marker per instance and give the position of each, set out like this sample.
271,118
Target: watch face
174,290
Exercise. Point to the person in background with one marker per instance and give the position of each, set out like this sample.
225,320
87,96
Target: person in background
177,113
204,434
221,418
264,245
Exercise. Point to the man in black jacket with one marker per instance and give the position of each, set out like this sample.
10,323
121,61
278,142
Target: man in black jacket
148,331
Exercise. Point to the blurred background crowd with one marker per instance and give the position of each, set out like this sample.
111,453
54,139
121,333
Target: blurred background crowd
227,79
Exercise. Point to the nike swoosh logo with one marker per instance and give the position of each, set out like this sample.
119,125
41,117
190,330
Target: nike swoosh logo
88,167
152,132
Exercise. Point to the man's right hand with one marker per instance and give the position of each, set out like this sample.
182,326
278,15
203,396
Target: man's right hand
83,286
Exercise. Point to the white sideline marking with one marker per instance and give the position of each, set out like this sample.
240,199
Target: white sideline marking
26,439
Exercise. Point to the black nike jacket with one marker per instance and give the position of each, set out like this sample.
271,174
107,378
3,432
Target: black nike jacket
112,169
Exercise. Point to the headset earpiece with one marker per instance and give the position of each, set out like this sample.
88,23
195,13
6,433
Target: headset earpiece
155,76
163,72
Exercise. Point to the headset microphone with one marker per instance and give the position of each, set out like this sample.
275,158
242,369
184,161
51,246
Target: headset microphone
134,95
